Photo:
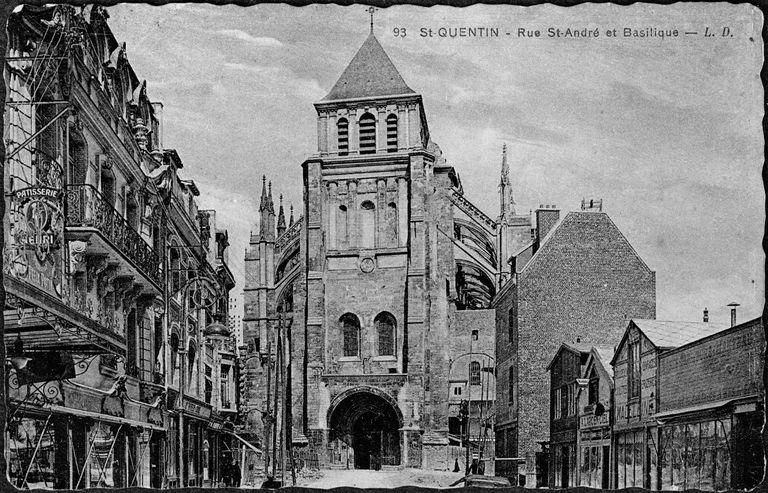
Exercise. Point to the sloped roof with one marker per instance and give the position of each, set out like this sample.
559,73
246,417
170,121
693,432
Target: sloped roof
370,74
670,334
576,347
605,355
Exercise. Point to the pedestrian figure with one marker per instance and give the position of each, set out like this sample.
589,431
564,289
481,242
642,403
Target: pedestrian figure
225,473
456,466
473,467
235,472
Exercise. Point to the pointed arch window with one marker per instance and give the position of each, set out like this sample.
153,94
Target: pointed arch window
392,133
474,373
350,326
385,332
342,127
367,134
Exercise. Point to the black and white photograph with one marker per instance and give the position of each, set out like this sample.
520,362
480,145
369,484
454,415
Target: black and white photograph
382,245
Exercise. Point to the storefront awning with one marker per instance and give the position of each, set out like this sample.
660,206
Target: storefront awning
709,406
245,442
105,417
44,323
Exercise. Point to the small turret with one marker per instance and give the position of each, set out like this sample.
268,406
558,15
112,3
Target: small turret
506,202
281,218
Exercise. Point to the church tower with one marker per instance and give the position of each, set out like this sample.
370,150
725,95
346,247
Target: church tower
378,260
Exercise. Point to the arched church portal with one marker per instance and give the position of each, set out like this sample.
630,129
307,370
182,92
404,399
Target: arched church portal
364,430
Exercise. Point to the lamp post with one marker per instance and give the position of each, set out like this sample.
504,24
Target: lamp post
202,300
465,406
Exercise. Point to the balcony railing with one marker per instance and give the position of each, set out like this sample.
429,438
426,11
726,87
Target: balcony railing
87,208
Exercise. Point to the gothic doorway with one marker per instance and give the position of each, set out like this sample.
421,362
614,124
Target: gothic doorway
364,431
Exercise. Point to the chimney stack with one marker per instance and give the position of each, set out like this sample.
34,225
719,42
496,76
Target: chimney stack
733,306
546,218
706,314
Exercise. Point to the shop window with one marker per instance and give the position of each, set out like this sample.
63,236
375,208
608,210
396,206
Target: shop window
342,127
474,373
392,133
351,332
385,330
367,134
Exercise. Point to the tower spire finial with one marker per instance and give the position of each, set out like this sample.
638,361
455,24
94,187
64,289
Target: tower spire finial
371,10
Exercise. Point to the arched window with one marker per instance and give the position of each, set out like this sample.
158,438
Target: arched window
367,134
350,326
341,227
343,130
392,221
474,373
385,331
367,224
392,133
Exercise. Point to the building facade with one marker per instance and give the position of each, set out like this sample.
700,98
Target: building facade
386,270
578,277
689,405
565,370
104,355
595,409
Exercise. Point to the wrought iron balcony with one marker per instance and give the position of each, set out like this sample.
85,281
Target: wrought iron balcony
86,208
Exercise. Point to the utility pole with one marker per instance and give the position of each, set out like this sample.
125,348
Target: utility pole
267,415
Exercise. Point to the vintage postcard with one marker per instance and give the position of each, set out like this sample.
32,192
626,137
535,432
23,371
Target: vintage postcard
380,246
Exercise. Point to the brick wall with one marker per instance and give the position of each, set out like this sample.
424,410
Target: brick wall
723,366
583,282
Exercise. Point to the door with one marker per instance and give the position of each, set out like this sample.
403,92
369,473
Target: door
566,467
606,467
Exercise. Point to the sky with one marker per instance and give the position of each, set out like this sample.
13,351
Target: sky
667,131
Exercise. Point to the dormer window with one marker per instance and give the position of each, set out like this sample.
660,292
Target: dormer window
343,131
392,133
367,134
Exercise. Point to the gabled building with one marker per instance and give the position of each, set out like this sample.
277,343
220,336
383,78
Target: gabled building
578,278
565,371
595,406
636,397
689,405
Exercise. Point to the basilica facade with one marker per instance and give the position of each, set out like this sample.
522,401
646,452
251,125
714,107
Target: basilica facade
379,290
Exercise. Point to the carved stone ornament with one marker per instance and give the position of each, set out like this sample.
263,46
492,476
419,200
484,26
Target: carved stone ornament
77,251
367,265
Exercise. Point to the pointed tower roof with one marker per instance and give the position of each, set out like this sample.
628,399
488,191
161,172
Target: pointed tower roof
504,167
270,202
370,74
281,215
290,221
263,204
